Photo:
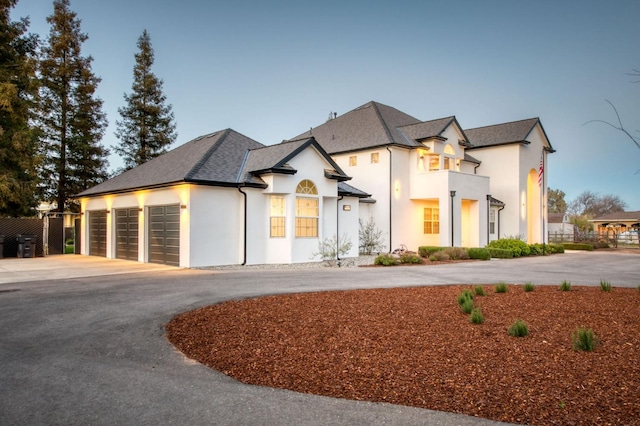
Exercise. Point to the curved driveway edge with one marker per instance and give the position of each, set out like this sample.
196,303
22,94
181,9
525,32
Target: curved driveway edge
92,350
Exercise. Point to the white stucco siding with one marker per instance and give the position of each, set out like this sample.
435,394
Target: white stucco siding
215,219
348,222
373,178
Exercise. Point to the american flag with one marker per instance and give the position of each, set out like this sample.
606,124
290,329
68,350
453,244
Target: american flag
541,170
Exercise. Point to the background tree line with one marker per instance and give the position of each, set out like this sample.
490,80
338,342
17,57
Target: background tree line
52,122
587,205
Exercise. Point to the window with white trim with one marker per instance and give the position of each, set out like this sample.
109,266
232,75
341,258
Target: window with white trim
278,215
492,221
353,160
375,157
307,210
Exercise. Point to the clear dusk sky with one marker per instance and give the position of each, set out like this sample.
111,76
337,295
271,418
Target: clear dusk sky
272,69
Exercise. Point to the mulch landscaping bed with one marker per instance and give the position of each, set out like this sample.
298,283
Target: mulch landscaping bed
413,346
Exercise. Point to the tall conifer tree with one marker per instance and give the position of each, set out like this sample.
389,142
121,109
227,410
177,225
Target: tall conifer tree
72,117
147,127
19,157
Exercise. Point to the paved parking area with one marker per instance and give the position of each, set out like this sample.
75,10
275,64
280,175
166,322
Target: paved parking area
84,343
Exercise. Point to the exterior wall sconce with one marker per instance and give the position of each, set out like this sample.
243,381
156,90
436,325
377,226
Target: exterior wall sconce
108,211
452,193
183,206
346,207
140,209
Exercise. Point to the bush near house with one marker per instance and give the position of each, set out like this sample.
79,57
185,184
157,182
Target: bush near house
427,251
518,247
577,246
479,253
498,253
386,260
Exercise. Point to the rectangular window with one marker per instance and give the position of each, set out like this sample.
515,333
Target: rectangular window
449,163
434,162
492,221
353,160
375,157
431,220
307,212
278,214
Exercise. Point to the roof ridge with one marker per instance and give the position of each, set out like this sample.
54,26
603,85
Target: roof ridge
209,152
384,124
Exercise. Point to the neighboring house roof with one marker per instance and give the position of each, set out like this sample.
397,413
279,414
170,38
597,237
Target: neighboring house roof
556,218
224,158
368,126
503,134
619,217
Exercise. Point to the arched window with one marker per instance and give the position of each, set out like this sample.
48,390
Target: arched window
307,210
307,187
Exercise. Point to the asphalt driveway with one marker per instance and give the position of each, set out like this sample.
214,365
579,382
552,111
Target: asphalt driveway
91,349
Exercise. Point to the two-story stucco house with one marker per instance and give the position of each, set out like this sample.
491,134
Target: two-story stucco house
224,198
436,184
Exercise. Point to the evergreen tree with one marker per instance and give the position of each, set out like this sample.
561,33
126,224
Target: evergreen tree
147,127
18,137
72,117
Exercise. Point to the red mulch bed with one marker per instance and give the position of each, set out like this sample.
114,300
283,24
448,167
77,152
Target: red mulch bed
413,346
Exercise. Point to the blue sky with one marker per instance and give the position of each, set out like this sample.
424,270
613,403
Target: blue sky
272,69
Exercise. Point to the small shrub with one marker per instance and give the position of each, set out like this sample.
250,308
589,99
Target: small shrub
577,246
476,316
565,286
605,285
498,253
427,251
479,253
411,258
584,339
556,248
517,246
370,237
501,287
528,286
464,296
439,256
518,329
479,290
600,245
537,250
457,253
467,306
385,260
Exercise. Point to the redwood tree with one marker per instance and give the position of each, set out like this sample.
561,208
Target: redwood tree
147,127
19,156
72,117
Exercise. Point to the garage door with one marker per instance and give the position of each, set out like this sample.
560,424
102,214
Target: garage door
164,234
98,233
127,234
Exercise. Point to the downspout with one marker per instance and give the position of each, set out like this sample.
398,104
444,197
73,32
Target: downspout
390,197
340,198
453,194
499,210
244,248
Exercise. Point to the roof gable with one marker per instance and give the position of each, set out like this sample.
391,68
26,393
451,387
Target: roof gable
370,125
275,158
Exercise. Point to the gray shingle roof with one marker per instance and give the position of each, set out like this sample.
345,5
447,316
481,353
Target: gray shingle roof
215,158
501,134
370,125
348,190
427,129
619,217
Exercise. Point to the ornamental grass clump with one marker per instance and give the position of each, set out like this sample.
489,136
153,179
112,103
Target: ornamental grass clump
385,260
528,286
584,339
565,286
518,329
476,316
501,287
605,285
479,290
465,301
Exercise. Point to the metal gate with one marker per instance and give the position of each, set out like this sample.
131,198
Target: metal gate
164,234
127,234
98,233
